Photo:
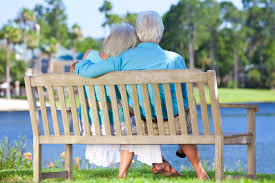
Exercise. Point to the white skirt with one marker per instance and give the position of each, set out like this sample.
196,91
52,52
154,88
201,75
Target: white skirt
107,154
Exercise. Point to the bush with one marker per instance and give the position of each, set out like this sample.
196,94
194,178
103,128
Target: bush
12,155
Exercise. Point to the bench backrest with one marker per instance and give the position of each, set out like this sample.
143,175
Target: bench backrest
44,88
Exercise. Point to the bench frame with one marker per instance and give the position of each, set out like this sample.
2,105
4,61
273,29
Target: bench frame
34,85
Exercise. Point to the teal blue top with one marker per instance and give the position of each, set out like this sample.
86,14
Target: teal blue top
146,56
94,57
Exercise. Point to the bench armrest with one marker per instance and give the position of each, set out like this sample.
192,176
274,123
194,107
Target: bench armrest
246,106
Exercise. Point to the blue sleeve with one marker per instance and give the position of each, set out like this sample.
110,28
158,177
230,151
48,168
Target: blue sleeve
88,69
179,63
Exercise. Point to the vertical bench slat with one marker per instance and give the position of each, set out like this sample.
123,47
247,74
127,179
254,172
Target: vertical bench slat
137,110
192,108
82,98
128,124
53,111
64,111
93,105
183,124
115,110
169,108
204,111
32,108
147,107
74,110
158,109
104,110
43,111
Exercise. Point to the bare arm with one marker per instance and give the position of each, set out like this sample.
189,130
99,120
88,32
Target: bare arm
84,57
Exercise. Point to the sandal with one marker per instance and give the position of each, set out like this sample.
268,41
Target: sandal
181,155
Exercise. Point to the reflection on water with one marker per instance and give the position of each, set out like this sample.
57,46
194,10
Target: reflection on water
17,124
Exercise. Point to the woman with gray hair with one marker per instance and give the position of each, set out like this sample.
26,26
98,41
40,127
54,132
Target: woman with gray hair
120,39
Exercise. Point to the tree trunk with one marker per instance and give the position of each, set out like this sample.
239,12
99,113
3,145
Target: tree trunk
261,59
8,71
191,54
235,57
25,47
211,54
50,67
182,49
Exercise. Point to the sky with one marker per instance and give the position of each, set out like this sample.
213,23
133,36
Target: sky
85,12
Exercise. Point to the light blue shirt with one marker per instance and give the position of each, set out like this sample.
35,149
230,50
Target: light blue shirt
94,57
146,56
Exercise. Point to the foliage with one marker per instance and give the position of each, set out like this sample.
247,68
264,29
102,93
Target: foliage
85,44
11,155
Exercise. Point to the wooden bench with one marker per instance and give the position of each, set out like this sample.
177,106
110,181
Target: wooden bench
47,85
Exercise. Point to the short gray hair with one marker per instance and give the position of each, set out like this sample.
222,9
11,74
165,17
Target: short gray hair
120,39
149,27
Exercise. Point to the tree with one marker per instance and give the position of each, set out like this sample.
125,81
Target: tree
130,18
49,46
75,35
26,20
85,44
11,35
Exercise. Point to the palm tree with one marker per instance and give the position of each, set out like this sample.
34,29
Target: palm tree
49,46
11,35
27,20
75,35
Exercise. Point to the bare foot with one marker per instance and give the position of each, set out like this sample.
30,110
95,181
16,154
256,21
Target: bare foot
164,168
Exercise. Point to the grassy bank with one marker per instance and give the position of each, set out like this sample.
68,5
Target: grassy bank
138,175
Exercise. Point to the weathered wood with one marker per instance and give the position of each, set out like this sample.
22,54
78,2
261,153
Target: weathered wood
251,148
93,105
192,108
69,161
183,123
246,106
219,158
147,107
83,104
104,110
135,139
43,110
128,124
74,110
32,107
53,111
48,175
137,110
115,110
204,111
169,108
64,111
214,100
158,109
37,159
122,77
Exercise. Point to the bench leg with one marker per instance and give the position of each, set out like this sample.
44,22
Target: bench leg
251,148
69,160
219,158
37,155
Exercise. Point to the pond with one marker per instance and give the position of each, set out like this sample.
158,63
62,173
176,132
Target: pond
17,124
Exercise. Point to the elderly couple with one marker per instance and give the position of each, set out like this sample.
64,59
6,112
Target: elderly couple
127,48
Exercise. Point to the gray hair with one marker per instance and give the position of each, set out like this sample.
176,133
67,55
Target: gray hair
120,39
149,27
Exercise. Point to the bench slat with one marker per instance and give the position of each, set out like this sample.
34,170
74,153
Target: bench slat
63,111
85,120
192,107
53,111
115,110
183,124
204,111
169,107
158,109
139,122
128,124
93,105
43,110
74,110
147,107
104,110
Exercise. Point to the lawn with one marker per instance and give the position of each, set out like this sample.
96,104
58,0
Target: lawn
138,175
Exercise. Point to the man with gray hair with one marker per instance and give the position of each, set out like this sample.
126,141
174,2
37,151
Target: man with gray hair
148,55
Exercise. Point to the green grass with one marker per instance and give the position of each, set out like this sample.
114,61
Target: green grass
137,175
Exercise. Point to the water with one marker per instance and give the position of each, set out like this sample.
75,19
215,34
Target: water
17,124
